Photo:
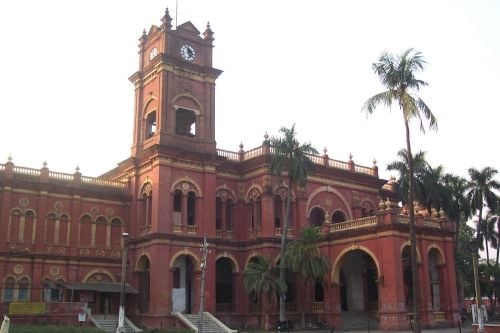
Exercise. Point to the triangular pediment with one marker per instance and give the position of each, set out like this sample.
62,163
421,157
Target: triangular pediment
153,29
188,26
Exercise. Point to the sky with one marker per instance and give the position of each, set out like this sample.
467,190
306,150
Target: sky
65,97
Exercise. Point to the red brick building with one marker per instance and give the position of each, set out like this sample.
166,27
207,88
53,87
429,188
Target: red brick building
60,234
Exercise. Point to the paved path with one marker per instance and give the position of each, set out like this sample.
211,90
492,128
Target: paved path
466,329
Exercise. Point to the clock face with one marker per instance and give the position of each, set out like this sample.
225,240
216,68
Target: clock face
187,52
153,53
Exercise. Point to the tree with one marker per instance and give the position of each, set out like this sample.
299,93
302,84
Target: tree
261,277
480,194
457,210
397,75
290,159
401,166
305,257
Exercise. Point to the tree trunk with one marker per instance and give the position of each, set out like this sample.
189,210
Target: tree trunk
283,248
460,277
498,242
417,328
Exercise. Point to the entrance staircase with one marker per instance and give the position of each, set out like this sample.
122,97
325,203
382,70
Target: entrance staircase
210,323
108,323
358,321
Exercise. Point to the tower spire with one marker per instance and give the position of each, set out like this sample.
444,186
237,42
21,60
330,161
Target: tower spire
166,21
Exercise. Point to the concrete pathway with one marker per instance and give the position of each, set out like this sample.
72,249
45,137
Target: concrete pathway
466,329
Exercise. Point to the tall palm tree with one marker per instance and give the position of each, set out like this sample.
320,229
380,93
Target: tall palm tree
289,159
480,194
305,257
457,210
397,75
488,236
261,277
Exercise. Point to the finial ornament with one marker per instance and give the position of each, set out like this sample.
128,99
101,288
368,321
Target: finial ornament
208,34
266,136
350,156
325,151
77,168
9,158
167,20
374,161
44,164
241,146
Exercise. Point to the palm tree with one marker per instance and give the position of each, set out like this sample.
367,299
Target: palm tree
305,257
397,75
420,166
261,277
480,194
457,210
488,236
289,158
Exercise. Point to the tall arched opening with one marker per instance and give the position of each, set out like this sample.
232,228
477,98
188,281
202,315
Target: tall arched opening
224,285
183,284
357,275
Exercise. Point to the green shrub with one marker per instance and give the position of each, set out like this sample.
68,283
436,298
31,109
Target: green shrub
51,329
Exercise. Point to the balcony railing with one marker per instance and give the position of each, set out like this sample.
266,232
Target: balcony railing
255,307
318,306
224,307
279,232
316,159
439,316
354,224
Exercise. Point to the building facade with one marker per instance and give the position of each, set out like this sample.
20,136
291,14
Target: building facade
61,234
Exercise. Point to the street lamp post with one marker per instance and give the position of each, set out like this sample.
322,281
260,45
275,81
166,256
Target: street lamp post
121,314
204,251
480,317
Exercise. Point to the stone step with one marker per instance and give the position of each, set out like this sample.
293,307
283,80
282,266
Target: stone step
357,320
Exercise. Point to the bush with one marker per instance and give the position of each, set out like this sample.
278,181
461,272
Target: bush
52,329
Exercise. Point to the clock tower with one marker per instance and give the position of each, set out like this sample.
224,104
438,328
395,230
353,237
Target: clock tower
175,90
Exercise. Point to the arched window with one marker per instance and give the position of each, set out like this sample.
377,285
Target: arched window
8,289
150,124
317,216
51,228
185,122
278,211
177,214
146,206
191,208
23,285
15,221
100,232
229,214
29,227
338,217
63,234
85,230
218,213
319,294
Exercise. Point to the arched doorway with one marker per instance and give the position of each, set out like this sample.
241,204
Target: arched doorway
143,276
436,287
224,285
357,280
182,284
407,277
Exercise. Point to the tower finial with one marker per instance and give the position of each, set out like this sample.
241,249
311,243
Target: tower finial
166,21
208,34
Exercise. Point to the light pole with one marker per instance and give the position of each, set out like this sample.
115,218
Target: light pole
204,251
480,317
121,314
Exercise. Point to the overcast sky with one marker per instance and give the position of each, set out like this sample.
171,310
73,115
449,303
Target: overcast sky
65,97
